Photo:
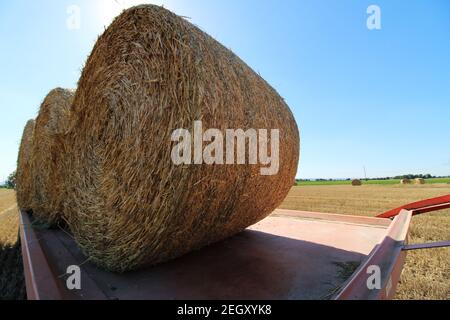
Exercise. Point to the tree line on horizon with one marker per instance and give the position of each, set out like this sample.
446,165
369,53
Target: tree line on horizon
405,176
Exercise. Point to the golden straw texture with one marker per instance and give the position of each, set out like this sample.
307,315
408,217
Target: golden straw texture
24,192
150,73
48,175
419,181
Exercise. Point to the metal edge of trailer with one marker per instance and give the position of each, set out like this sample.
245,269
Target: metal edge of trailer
35,265
420,207
41,280
387,259
332,217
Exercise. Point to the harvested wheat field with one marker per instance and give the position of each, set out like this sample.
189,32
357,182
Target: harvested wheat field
426,274
12,284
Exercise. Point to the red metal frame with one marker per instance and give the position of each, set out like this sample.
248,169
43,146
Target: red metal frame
440,244
419,207
35,265
389,257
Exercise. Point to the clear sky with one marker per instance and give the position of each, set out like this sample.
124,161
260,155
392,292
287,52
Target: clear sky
373,98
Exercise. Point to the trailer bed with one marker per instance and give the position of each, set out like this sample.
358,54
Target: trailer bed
289,255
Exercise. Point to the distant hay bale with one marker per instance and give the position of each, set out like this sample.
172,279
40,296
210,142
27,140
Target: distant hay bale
405,181
48,175
150,73
419,181
356,182
24,191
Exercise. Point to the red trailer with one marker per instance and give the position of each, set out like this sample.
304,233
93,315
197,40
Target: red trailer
289,255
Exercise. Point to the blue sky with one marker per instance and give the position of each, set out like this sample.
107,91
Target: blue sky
373,98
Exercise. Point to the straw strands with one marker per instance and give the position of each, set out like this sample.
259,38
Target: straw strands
48,174
103,158
24,191
150,73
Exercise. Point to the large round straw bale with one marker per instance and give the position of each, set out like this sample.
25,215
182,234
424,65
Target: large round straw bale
24,191
405,181
52,124
150,73
356,182
419,181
